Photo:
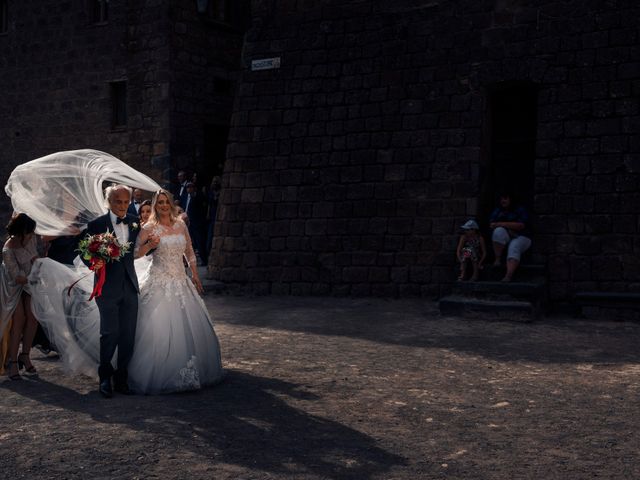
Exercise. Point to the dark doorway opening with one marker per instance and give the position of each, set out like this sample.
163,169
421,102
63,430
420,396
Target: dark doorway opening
215,150
509,163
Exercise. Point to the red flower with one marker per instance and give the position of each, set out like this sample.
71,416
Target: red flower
94,246
114,251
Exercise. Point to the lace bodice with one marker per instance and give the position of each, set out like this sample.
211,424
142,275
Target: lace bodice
167,258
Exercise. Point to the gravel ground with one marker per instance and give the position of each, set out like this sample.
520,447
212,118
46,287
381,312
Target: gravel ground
326,388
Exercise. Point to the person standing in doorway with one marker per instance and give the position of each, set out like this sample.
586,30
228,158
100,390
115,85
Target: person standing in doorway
195,210
180,191
136,201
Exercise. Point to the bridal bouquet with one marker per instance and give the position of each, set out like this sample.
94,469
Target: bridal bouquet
101,246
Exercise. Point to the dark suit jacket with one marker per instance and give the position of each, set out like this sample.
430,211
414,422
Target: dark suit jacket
132,210
176,194
196,211
64,249
120,271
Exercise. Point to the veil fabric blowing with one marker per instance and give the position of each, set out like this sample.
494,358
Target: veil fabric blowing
63,191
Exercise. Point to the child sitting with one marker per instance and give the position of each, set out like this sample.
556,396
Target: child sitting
471,248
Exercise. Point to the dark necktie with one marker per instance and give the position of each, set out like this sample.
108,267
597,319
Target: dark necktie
124,220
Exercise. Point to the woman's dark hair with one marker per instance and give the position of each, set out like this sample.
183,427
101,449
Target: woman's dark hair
145,203
21,225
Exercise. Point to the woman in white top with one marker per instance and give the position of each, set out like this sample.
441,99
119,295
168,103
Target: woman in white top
17,323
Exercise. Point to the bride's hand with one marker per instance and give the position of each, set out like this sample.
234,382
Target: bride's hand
198,284
153,241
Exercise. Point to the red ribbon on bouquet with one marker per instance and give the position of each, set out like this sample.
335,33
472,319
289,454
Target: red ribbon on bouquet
103,248
102,276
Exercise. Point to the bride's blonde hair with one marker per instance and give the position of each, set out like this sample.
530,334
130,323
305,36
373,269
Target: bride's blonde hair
173,213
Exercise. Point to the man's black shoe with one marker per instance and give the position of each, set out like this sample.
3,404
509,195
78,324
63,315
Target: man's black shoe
123,388
105,388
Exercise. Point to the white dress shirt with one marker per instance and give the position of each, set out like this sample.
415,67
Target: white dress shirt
121,230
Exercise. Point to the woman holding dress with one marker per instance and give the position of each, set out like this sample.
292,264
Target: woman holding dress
17,323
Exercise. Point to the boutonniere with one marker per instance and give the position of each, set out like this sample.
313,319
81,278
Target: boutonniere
134,226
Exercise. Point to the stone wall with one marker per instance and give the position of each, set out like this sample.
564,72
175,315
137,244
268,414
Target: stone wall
350,167
205,63
57,63
56,67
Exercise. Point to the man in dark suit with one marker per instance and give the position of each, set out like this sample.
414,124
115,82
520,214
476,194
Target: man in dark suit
180,190
196,212
118,304
134,206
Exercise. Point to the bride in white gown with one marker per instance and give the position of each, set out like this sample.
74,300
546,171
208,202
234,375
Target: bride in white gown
176,347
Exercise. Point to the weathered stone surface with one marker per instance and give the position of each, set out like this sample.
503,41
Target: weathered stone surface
179,70
402,129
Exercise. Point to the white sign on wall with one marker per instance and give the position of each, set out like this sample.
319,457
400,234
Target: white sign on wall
265,64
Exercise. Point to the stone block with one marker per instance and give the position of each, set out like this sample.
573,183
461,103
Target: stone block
607,267
316,227
355,274
384,290
587,245
627,182
599,183
361,191
597,224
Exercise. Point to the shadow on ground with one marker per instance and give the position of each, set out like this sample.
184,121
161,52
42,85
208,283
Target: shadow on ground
245,421
417,323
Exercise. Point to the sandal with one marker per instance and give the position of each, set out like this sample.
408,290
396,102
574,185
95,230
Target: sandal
15,376
21,364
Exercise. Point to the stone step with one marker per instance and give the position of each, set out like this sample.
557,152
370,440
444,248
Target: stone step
614,305
484,309
528,290
210,285
524,273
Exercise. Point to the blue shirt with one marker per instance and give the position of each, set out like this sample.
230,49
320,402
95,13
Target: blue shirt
518,214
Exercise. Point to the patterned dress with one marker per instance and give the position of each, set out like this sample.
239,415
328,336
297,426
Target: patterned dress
471,249
15,262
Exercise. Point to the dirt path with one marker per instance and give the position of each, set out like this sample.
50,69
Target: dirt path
324,388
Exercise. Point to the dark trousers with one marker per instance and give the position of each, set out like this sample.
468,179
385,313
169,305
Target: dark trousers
118,320
199,241
42,339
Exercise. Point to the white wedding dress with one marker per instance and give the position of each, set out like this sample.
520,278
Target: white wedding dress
176,347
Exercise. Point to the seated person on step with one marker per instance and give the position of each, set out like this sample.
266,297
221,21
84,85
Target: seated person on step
510,229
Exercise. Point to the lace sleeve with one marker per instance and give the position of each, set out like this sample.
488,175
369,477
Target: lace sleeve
141,240
10,263
188,249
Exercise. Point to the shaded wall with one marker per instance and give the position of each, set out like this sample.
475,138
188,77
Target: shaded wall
351,166
56,68
205,64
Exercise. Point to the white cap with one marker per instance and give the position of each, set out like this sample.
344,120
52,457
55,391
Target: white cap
470,225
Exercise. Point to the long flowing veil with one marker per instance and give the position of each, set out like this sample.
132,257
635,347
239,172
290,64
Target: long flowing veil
63,191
